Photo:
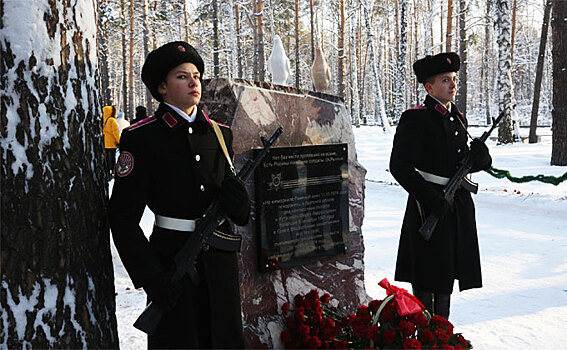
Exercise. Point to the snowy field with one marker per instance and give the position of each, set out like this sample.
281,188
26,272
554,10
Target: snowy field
523,241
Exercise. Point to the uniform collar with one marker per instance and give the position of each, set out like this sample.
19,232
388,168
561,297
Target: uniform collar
171,118
434,104
190,118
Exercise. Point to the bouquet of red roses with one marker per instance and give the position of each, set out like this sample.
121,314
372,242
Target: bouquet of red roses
397,322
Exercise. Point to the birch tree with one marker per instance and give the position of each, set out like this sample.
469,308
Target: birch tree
486,69
379,111
559,54
353,67
341,48
400,64
57,274
463,77
503,27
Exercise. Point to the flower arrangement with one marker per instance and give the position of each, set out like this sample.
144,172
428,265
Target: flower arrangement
397,322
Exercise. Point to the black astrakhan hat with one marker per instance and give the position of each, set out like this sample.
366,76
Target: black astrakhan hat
433,65
163,59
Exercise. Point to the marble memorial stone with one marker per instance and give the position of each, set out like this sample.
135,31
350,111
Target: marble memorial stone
308,118
301,205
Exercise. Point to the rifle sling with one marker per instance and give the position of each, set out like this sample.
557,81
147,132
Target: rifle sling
222,143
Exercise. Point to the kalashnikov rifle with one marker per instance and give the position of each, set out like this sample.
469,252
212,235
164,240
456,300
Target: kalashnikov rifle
458,180
185,259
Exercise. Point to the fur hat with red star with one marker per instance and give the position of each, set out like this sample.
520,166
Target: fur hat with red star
163,59
433,65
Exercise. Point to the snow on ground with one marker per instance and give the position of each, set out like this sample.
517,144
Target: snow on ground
523,241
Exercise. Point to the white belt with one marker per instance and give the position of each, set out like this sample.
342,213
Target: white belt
436,179
175,224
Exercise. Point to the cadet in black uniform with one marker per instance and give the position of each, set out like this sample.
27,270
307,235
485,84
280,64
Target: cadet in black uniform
173,163
430,142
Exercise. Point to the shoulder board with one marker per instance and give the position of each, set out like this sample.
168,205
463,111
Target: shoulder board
211,121
419,107
141,123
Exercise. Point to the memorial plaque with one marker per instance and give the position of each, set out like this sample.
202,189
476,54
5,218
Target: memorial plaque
301,205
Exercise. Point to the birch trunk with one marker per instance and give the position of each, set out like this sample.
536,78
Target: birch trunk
378,100
463,77
57,275
400,64
503,26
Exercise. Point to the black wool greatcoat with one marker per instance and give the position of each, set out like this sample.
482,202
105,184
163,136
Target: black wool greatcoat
431,139
176,168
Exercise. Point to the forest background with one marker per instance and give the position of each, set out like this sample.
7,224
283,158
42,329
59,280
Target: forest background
235,38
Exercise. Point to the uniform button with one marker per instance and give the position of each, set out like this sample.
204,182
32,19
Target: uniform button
451,119
190,130
456,133
202,188
197,157
459,150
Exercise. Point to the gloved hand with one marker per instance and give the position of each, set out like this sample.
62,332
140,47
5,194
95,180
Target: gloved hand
234,200
163,291
479,153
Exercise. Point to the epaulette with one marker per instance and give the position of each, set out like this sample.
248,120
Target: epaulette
419,107
141,123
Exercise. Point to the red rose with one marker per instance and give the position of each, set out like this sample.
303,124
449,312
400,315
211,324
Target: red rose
299,314
387,315
285,308
406,328
419,319
298,300
426,336
363,311
462,340
447,347
314,342
374,305
373,332
312,295
411,343
438,321
442,335
325,298
389,336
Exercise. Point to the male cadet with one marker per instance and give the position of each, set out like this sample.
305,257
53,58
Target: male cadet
173,163
429,145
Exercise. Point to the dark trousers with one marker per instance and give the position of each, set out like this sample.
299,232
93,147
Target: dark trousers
436,304
110,160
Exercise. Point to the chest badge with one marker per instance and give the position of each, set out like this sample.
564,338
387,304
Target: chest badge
125,164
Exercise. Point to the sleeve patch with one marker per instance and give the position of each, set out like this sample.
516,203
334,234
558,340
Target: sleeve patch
125,164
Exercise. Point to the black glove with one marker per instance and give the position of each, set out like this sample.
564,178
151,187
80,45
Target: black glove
234,200
163,291
480,155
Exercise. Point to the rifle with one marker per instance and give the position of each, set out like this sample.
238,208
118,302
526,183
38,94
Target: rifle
458,180
185,259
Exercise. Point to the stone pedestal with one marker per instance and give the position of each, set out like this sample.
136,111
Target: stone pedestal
308,118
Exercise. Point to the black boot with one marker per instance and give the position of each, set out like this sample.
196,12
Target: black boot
426,299
442,304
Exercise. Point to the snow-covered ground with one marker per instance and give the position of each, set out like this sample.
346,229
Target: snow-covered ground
523,241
